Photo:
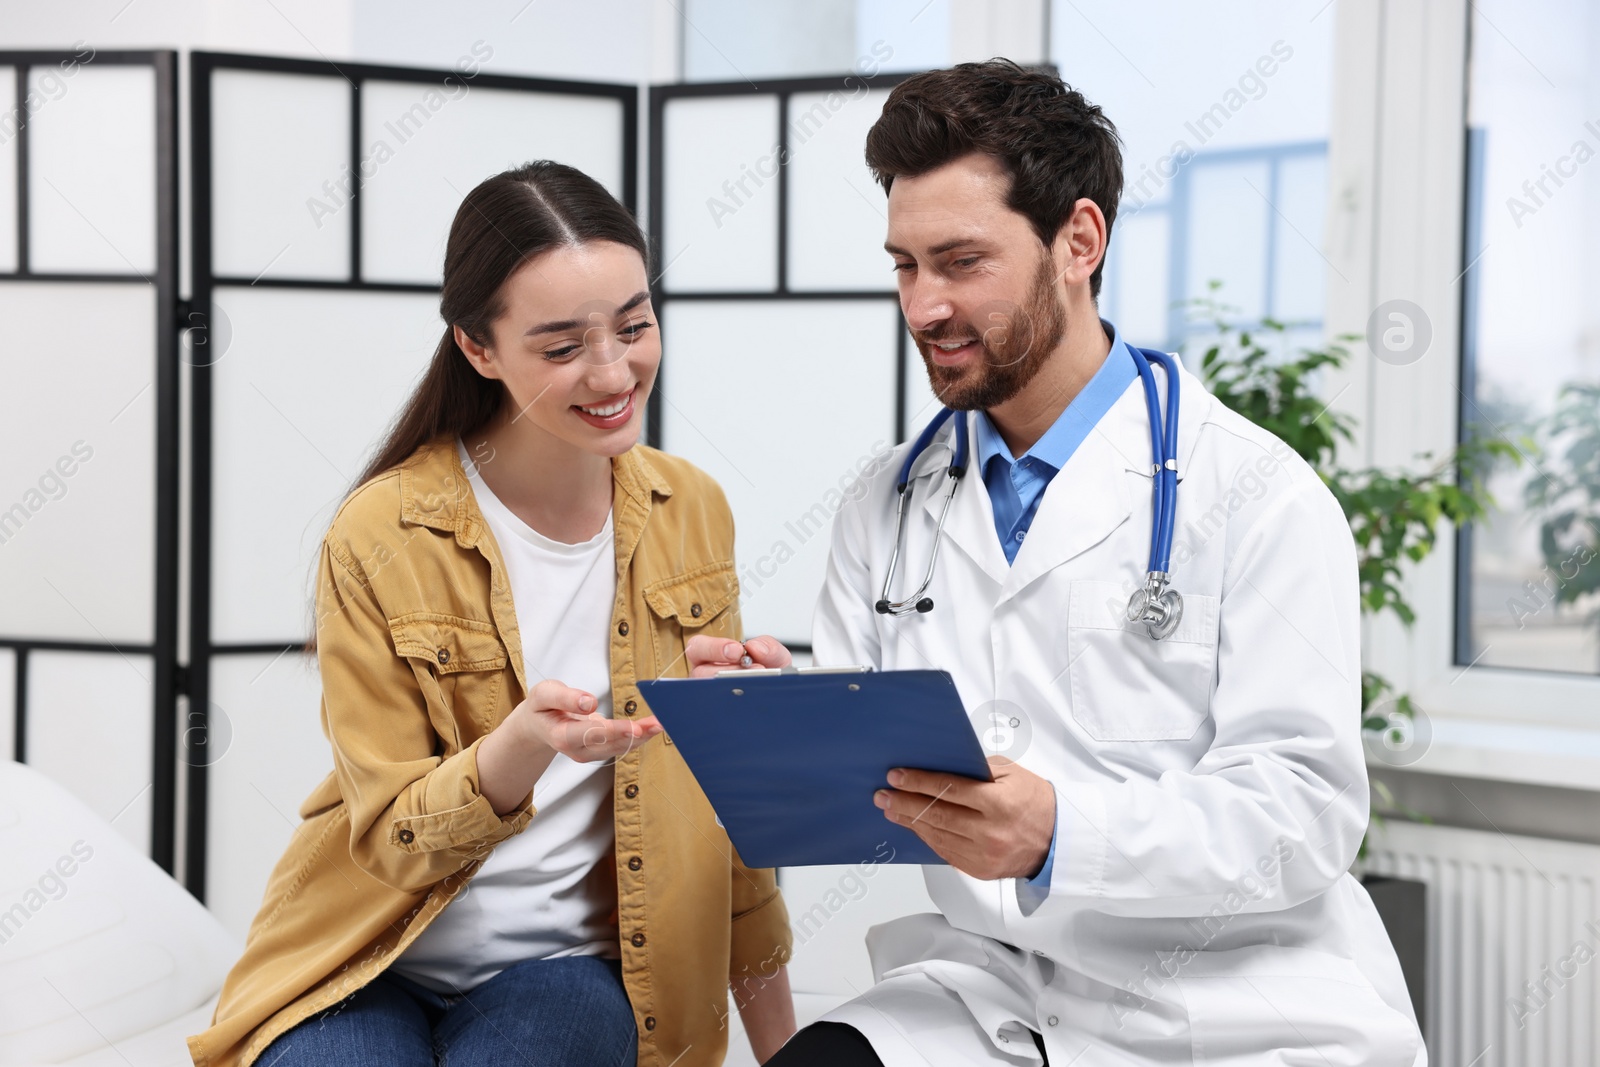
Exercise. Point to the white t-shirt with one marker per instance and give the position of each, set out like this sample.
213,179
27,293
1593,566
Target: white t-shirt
550,890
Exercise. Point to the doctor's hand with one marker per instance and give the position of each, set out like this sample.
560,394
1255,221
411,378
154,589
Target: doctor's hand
707,655
998,829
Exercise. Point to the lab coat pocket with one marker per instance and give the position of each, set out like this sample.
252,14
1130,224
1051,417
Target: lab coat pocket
1127,686
1266,1004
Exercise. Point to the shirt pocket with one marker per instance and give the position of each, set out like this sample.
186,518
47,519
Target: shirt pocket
460,664
1127,686
684,605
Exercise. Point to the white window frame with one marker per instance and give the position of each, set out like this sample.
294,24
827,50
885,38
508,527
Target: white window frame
1396,180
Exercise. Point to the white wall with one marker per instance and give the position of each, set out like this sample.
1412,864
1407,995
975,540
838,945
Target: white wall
598,40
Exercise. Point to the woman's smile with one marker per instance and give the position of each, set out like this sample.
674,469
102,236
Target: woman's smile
610,412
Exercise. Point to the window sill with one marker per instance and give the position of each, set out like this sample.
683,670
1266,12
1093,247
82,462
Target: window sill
1497,750
1531,727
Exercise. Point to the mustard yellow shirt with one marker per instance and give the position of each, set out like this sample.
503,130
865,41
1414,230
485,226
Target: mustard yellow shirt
420,658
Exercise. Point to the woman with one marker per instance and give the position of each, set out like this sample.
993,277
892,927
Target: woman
507,865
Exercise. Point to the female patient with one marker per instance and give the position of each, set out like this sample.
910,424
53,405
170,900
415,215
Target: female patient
507,865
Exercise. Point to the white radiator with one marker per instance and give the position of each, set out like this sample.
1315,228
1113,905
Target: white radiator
1513,944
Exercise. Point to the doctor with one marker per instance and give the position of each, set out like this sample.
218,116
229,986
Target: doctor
1159,873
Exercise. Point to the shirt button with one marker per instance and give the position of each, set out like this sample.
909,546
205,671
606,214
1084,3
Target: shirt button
694,609
1052,1020
649,1022
622,627
406,837
630,707
444,655
631,792
638,940
1021,534
634,863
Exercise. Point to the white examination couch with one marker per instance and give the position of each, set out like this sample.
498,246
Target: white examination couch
105,961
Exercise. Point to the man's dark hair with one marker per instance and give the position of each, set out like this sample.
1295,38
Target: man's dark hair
1055,145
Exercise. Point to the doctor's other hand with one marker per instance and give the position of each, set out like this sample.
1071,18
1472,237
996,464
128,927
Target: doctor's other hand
566,720
707,655
998,829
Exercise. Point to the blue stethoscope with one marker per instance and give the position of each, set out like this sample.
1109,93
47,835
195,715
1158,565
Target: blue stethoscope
1156,604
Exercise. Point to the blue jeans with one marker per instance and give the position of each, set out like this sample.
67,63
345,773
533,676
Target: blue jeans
571,1011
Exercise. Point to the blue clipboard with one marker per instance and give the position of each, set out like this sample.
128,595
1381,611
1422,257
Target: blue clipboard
790,758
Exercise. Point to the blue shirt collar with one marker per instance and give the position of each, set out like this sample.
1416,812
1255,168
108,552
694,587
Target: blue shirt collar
1074,424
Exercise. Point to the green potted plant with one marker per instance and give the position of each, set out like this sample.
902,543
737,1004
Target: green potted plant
1567,495
1395,517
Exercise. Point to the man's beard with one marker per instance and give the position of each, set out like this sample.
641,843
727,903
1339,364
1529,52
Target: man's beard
1015,343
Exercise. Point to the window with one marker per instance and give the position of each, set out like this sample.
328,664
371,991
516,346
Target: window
1224,119
1529,579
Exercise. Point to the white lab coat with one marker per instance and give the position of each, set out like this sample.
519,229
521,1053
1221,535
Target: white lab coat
1210,788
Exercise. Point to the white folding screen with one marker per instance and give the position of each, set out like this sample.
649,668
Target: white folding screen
309,381
784,406
425,146
8,706
323,198
785,366
75,697
8,169
839,220
720,220
78,559
265,722
88,505
279,163
92,171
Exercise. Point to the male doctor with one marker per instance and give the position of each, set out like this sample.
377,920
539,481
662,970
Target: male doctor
1160,876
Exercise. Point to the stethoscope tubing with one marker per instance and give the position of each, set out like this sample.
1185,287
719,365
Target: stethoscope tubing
1164,454
1164,486
918,600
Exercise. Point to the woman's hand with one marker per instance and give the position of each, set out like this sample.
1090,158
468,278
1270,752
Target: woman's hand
565,719
554,718
707,655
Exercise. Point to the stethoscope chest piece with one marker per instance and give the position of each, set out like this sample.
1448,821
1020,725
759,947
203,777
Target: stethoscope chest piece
1157,605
